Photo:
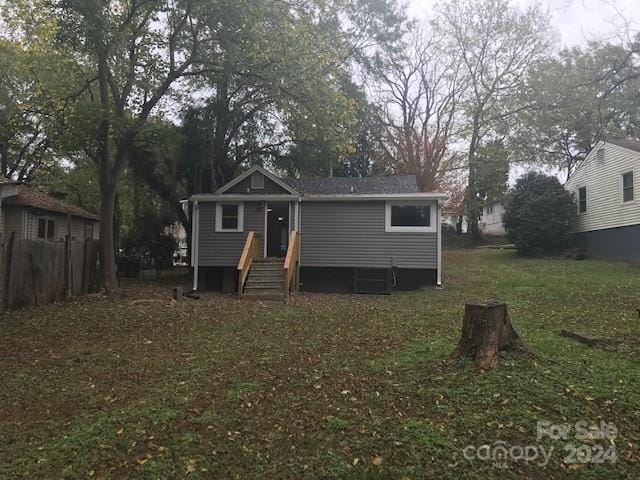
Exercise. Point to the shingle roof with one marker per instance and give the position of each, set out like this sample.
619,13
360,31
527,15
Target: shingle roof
626,143
354,185
29,197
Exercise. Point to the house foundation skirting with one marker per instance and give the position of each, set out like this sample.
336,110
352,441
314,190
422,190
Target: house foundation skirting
316,279
341,279
622,243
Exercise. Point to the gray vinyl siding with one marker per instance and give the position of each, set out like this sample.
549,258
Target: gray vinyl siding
352,234
223,249
270,188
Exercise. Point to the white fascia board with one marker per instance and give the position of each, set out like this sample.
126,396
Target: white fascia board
251,171
212,197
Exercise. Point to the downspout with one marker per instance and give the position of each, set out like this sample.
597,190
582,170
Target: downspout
439,227
195,230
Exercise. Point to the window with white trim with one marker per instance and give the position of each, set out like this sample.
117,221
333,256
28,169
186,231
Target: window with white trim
582,199
627,187
257,181
229,217
410,217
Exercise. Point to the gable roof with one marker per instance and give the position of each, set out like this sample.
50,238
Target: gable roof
355,185
629,143
252,170
29,197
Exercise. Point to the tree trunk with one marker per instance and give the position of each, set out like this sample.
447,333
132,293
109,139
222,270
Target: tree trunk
107,246
472,204
487,330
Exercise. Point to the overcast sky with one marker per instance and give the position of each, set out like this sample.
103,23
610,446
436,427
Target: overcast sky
577,21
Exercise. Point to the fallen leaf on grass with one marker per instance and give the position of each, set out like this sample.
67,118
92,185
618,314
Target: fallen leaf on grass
377,460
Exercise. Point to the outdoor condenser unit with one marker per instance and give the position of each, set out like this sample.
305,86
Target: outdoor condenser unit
372,280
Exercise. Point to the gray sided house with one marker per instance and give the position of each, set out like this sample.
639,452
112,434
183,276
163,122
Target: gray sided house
263,235
606,187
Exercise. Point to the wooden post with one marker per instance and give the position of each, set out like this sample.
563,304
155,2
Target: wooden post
33,279
177,293
68,271
8,271
86,272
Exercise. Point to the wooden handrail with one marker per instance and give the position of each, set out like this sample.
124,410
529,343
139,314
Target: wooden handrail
250,252
291,263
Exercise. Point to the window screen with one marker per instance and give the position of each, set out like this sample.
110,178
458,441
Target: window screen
627,187
410,216
42,228
229,217
46,228
582,199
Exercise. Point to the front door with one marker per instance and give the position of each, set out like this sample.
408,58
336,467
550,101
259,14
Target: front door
277,229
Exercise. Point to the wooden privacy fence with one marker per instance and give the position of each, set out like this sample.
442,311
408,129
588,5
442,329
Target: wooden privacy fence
37,272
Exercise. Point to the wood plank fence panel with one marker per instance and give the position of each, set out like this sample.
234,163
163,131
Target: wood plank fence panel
37,272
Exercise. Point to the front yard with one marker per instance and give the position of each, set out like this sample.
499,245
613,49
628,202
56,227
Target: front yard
135,386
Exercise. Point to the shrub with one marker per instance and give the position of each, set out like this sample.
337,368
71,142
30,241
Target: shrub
539,215
129,264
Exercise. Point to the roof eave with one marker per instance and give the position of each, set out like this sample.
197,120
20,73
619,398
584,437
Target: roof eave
377,196
212,197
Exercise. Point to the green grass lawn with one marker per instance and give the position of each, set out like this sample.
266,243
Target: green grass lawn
330,386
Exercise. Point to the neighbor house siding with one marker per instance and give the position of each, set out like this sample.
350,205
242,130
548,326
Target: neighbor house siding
602,180
223,249
61,226
352,234
270,188
491,222
13,217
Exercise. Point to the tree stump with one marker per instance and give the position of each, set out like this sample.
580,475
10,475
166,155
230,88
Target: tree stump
487,330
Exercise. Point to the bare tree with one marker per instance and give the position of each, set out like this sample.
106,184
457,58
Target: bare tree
498,44
418,91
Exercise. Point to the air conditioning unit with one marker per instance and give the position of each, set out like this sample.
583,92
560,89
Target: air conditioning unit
372,280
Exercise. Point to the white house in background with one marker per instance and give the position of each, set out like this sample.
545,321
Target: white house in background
491,221
452,218
33,215
607,190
